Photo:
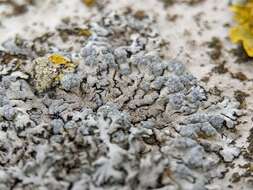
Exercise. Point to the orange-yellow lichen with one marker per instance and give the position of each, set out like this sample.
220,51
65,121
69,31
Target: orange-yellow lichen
48,71
58,59
89,3
243,31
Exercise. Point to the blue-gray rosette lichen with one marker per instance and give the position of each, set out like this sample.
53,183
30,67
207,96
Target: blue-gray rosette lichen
108,113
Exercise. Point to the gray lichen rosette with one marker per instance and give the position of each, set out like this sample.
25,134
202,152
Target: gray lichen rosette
107,111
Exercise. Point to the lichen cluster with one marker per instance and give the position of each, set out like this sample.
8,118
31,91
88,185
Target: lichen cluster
48,71
122,118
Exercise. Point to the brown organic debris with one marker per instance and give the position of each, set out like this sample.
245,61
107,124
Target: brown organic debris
240,96
216,48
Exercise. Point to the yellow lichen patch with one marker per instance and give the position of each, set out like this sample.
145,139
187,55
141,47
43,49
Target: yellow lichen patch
243,31
59,59
89,3
242,34
48,71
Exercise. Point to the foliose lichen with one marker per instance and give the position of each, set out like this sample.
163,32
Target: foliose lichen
122,118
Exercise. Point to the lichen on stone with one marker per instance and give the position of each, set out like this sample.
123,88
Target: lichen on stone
58,59
123,117
48,71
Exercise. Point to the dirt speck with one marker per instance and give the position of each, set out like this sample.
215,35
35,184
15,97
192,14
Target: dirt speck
215,91
140,14
216,48
240,76
220,69
250,141
205,79
168,3
235,177
240,96
172,17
